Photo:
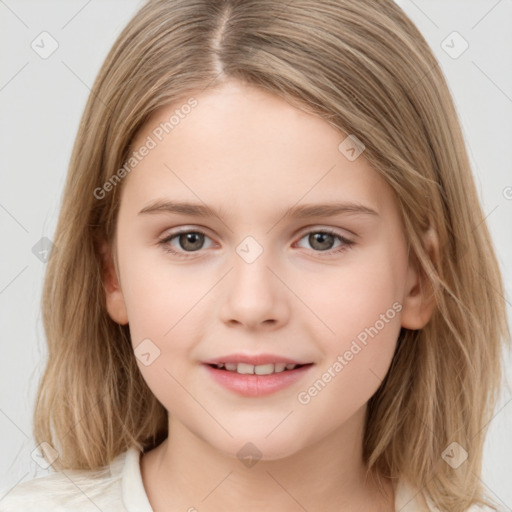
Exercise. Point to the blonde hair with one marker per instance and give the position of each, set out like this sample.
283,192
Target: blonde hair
364,68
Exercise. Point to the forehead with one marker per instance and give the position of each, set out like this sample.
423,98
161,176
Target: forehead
245,146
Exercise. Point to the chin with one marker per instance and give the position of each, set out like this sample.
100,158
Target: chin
251,449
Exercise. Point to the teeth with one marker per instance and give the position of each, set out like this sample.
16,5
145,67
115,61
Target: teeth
245,368
262,369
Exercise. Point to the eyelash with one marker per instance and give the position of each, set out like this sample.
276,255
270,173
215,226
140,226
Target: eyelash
164,243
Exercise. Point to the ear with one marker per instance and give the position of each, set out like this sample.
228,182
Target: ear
419,301
116,306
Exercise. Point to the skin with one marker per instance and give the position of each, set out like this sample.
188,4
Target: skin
253,154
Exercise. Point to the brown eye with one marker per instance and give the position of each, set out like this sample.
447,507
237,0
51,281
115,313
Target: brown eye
321,241
184,242
191,241
324,240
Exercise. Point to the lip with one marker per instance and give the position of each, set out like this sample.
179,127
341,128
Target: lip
254,359
252,385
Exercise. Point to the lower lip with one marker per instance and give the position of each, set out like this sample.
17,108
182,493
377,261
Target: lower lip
257,385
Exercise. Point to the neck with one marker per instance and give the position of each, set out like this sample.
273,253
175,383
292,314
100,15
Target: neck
186,472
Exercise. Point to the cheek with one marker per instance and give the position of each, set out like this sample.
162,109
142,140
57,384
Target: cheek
363,316
165,305
158,295
160,304
358,318
352,296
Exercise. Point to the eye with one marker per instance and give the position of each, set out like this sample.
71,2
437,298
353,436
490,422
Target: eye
190,241
187,241
323,240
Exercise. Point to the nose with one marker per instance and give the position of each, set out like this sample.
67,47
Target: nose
253,295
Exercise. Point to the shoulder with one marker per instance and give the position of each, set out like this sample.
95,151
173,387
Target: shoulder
483,508
472,508
410,499
77,490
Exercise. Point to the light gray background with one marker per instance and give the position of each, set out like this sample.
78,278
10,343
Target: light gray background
41,102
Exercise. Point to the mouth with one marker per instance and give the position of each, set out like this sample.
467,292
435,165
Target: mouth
262,369
256,381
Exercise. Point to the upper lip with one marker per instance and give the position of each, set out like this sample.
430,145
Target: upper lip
255,359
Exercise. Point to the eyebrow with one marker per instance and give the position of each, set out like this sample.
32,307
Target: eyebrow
303,211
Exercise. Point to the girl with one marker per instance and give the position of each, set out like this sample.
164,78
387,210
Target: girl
274,286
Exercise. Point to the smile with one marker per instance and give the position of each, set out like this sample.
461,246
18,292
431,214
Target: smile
262,369
256,381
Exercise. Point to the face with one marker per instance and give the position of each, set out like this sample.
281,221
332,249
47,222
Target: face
329,290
